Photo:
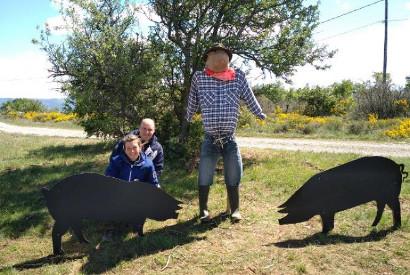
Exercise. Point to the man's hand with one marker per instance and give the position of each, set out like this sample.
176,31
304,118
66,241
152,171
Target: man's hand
262,116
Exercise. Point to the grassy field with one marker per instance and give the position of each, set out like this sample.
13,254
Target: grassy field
256,245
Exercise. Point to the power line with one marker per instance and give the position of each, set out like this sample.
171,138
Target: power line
362,27
352,30
349,12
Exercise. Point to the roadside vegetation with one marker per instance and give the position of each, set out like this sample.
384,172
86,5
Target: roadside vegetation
295,125
30,112
255,245
346,110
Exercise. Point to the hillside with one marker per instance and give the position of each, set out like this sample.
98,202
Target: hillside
49,103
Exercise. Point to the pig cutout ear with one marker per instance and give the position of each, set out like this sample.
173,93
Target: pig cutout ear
348,185
97,197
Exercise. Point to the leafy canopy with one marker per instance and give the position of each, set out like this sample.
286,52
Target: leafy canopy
108,72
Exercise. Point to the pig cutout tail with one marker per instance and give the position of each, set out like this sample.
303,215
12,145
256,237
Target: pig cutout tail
404,173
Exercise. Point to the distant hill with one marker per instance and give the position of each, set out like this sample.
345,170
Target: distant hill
49,103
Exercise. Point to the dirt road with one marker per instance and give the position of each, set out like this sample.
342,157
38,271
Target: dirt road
313,145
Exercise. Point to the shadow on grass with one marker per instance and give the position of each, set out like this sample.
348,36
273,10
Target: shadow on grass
323,239
77,150
48,260
110,254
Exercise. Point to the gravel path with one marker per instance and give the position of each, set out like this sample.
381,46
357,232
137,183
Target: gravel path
313,145
52,132
368,148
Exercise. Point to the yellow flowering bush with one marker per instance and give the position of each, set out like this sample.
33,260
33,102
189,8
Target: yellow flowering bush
40,116
401,131
297,119
402,103
342,106
372,118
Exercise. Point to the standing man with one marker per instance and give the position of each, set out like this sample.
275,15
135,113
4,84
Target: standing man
150,145
217,91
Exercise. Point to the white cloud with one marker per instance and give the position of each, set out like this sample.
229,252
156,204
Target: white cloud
26,75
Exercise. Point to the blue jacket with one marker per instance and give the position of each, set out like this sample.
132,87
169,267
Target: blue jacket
141,170
152,149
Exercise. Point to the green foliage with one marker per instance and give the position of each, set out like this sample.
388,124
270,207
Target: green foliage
22,105
316,101
343,89
274,92
109,73
335,99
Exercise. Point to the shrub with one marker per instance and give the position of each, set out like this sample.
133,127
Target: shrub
179,154
357,127
317,101
22,105
246,118
383,100
42,116
400,131
342,106
334,125
309,128
372,118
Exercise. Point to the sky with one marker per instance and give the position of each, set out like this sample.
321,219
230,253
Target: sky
358,38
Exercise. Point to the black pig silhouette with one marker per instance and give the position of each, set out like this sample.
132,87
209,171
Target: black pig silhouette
97,197
348,185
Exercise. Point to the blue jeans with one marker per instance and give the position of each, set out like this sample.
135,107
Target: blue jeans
210,152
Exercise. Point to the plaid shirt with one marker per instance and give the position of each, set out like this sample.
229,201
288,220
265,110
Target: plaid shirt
219,102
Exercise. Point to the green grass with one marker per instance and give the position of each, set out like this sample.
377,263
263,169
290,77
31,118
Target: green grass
48,124
183,246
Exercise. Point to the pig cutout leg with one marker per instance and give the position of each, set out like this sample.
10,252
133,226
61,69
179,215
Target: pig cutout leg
380,209
58,231
394,204
328,222
138,227
77,228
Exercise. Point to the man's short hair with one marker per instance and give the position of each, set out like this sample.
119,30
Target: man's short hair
148,120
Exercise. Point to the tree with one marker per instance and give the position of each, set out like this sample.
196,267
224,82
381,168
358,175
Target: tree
22,105
107,70
275,35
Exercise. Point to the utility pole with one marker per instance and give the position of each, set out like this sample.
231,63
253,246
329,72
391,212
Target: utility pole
385,41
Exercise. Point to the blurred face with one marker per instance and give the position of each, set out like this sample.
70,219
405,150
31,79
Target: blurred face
132,150
217,60
147,129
